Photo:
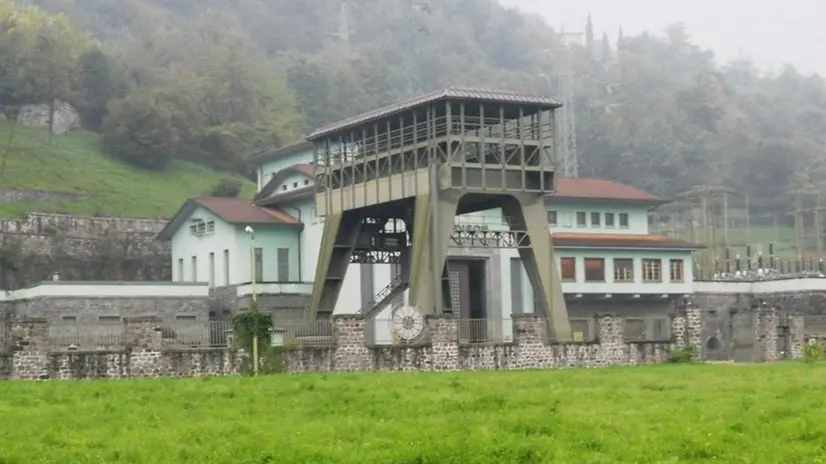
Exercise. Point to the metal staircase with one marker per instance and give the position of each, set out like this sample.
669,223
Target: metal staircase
385,296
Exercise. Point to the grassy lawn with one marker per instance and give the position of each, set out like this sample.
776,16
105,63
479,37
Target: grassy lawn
74,164
734,414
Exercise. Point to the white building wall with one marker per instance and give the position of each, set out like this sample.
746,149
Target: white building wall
185,246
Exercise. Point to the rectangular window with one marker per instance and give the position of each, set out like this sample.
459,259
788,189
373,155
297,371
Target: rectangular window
109,319
564,219
581,219
623,270
283,264
180,270
226,267
652,270
676,270
194,269
594,270
609,220
186,317
567,267
211,270
259,265
595,219
552,218
623,220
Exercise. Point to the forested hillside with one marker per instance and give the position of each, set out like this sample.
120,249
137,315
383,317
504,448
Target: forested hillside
216,81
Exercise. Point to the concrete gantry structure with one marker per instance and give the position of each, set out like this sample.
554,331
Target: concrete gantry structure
390,182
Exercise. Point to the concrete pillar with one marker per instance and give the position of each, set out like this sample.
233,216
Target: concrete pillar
444,339
694,328
797,337
29,338
678,332
351,352
529,329
143,339
765,334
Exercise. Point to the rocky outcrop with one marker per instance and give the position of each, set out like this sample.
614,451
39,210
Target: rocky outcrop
66,117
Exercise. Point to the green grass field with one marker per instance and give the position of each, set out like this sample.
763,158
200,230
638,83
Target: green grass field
74,164
733,414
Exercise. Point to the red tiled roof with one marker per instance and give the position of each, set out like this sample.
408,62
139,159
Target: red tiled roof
600,189
621,241
241,210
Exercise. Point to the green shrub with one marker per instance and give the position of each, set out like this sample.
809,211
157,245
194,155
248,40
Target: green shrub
684,355
812,351
271,359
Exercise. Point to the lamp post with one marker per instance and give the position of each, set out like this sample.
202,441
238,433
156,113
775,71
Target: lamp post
254,304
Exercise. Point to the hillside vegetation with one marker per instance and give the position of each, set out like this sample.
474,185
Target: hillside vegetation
73,164
651,414
215,82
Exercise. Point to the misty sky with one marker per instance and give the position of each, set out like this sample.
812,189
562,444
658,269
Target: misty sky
772,32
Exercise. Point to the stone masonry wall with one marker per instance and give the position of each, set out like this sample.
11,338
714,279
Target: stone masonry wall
28,355
34,247
442,351
779,322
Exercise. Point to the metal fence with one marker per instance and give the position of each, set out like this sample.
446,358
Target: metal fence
583,329
643,329
302,333
192,334
814,326
758,269
482,331
88,336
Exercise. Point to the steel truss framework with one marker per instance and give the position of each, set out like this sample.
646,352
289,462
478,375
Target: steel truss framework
421,163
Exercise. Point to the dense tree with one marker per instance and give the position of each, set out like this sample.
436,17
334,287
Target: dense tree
215,82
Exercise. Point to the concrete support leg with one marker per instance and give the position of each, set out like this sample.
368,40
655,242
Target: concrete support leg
528,213
429,252
337,241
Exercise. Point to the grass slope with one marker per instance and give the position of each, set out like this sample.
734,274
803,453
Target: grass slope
74,164
722,413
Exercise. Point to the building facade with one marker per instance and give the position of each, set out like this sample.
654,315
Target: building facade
608,260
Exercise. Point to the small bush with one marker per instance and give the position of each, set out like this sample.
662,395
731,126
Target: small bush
813,351
227,188
684,355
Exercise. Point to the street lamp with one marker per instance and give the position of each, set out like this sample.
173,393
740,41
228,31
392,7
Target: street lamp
254,305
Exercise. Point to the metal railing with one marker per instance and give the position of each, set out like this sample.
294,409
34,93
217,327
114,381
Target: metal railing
5,336
485,331
302,333
814,326
583,329
759,269
644,329
86,337
191,334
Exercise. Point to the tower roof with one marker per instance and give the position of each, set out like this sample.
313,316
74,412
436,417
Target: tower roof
451,93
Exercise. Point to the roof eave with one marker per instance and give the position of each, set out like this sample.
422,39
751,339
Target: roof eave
171,227
284,151
293,195
629,247
628,201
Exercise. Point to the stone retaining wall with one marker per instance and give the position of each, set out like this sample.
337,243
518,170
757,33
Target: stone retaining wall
29,356
145,353
36,246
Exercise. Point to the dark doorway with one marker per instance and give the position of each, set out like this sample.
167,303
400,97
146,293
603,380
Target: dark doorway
477,281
